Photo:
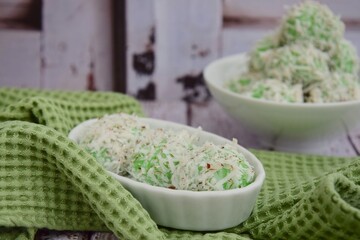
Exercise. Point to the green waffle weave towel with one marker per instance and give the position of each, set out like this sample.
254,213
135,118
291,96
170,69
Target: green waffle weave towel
47,181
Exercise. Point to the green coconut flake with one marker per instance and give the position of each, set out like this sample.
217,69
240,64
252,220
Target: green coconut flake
258,92
221,173
245,82
102,155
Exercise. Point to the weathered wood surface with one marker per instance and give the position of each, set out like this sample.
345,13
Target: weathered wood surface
71,45
140,54
187,39
102,44
168,42
20,58
175,111
67,49
72,50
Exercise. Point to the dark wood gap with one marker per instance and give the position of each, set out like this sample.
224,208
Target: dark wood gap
249,21
350,23
27,15
119,44
189,113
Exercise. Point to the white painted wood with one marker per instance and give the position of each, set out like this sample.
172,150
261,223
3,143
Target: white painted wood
255,9
102,44
174,111
237,39
187,39
19,58
348,9
69,49
140,24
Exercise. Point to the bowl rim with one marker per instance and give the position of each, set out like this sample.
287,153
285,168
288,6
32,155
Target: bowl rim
236,57
256,163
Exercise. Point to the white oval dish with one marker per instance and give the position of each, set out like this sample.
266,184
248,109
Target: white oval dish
291,125
191,210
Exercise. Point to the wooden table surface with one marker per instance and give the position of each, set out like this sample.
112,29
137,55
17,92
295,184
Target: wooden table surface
212,118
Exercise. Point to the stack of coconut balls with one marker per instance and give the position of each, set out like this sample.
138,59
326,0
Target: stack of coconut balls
126,145
306,60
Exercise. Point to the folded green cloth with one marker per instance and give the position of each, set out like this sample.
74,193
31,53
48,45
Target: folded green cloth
47,181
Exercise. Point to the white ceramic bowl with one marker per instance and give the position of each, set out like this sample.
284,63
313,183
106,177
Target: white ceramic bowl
190,210
291,124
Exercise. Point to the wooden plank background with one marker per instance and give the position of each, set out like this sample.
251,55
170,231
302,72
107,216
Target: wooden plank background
20,59
187,39
168,42
70,49
140,38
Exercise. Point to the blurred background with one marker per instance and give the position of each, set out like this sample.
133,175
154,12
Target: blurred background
151,49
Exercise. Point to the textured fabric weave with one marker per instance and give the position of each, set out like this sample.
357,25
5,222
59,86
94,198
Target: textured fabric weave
47,181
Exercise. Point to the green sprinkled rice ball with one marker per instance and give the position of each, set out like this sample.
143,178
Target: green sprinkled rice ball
244,82
209,174
312,22
339,87
275,90
297,64
262,51
344,58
